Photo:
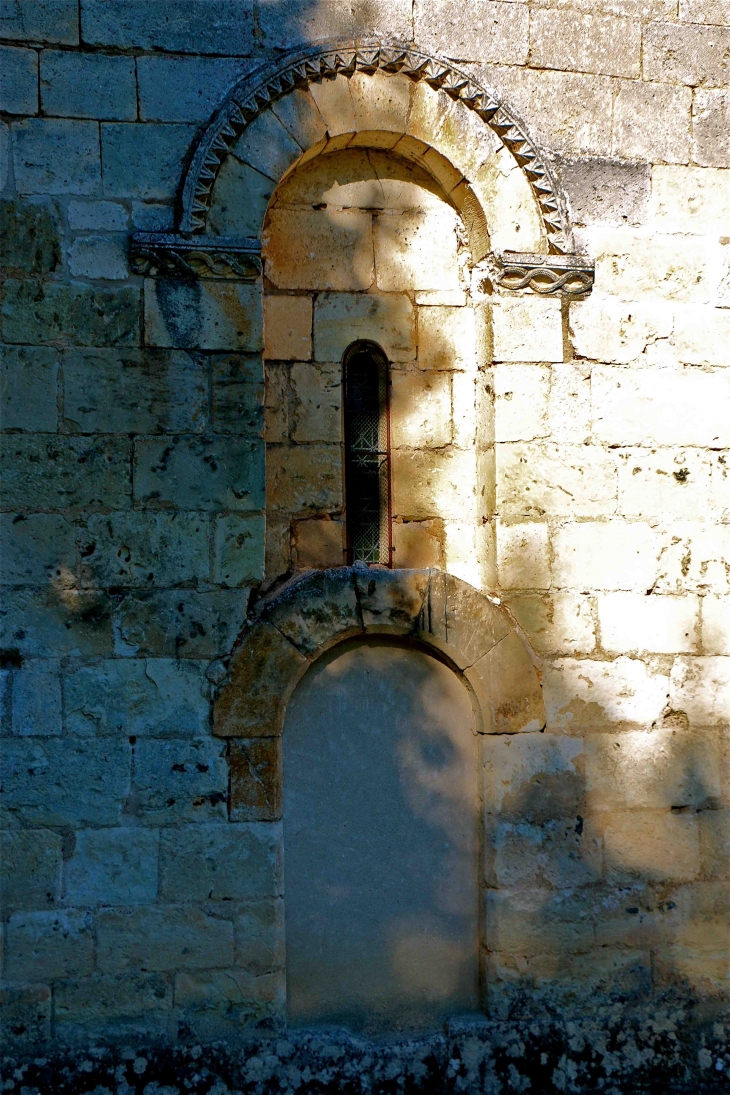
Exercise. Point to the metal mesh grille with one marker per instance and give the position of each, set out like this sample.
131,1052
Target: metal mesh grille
367,471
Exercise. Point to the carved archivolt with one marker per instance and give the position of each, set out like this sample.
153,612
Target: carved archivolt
314,612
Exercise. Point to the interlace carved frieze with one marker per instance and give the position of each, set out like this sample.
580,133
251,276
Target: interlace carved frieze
165,254
549,275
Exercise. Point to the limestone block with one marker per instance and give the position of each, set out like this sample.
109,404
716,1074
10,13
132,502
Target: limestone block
472,31
527,329
220,862
267,146
506,684
533,922
260,936
606,192
523,560
318,249
689,198
447,338
672,482
613,554
391,598
162,938
298,113
340,318
276,403
58,618
655,844
655,769
99,258
183,623
701,688
416,250
153,217
55,156
182,26
255,781
142,549
262,672
380,101
112,867
137,391
202,315
73,471
436,483
658,624
55,21
143,160
417,544
88,85
391,17
36,708
651,121
182,89
534,480
715,843
461,553
31,875
603,329
685,54
204,473
521,401
180,781
97,216
101,998
710,112
603,44
420,409
315,610
716,624
28,388
704,970
335,104
700,336
238,394
569,413
26,1011
513,216
288,328
304,478
239,550
623,694
29,236
319,542
239,200
37,549
64,783
41,312
131,696
559,623
634,265
18,80
560,853
217,1001
693,558
317,412
49,946
534,776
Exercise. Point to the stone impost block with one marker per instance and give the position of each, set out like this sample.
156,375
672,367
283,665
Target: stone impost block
163,938
340,318
260,936
181,623
28,237
220,862
182,26
533,776
604,44
523,560
54,21
140,391
183,89
238,394
99,258
180,781
29,388
55,156
319,249
614,554
48,946
263,672
657,624
131,696
304,478
651,121
112,867
535,480
314,611
239,550
288,328
521,395
60,619
18,80
59,782
420,409
40,473
41,312
507,686
31,874
701,688
101,998
417,250
527,329
581,694
710,114
36,706
88,85
202,473
317,413
143,160
203,315
255,779
473,31
144,549
654,844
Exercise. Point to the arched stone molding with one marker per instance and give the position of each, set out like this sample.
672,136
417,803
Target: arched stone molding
313,613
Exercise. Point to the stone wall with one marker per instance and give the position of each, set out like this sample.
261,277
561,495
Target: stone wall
137,495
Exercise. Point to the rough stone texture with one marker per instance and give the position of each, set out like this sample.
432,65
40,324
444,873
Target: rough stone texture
91,86
18,81
255,780
54,156
37,312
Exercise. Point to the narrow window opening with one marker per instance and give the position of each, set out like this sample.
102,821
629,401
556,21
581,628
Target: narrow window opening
367,454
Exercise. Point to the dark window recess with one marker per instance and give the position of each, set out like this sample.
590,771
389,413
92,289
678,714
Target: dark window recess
367,455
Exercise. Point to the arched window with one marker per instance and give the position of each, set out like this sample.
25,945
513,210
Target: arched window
367,454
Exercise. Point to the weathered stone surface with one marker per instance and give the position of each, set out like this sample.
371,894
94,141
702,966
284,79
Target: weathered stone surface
521,395
288,328
29,388
637,622
112,867
267,146
604,44
263,671
417,251
507,686
533,922
606,192
484,32
605,329
92,85
700,687
230,1000
239,550
55,21
183,623
303,478
28,237
417,544
715,843
433,483
522,555
202,315
566,479
255,780
631,266
143,549
163,938
143,161
55,156
42,312
178,781
527,329
446,337
390,599
60,619
232,214
99,258
312,249
183,89
463,619
340,318
220,863
420,409
559,853
50,945
716,625
657,845
557,623
130,696
183,27
26,1013
317,609
203,473
238,394
97,216
710,112
626,693
31,874
76,471
103,997
614,554
36,707
260,936
651,121
318,543
682,54
533,776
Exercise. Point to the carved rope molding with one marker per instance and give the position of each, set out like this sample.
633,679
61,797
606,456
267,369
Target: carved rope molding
549,275
256,91
165,254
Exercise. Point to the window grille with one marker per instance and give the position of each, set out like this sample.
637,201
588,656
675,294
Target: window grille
367,454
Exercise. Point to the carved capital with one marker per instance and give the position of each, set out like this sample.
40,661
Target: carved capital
568,276
165,254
